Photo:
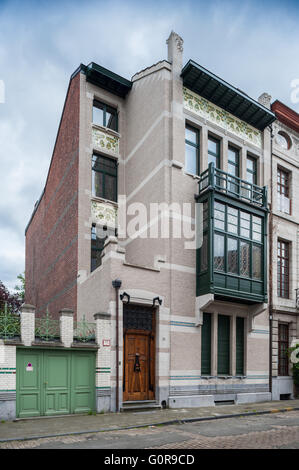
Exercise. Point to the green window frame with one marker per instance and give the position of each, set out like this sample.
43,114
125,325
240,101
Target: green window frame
214,151
206,343
240,335
104,177
104,115
233,165
251,170
238,242
192,160
223,343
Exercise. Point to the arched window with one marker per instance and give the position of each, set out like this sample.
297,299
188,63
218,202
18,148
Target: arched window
283,140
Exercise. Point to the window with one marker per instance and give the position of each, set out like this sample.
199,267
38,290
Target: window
283,269
104,115
223,345
283,190
98,237
214,151
238,241
104,177
283,140
240,346
283,344
251,170
192,150
233,169
206,344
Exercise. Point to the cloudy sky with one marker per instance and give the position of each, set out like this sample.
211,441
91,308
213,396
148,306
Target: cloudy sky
253,45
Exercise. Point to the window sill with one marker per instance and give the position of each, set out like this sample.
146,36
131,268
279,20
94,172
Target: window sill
104,201
106,129
196,177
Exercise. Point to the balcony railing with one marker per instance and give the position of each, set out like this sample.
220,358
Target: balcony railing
232,186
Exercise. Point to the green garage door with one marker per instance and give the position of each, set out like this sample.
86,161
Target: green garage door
55,382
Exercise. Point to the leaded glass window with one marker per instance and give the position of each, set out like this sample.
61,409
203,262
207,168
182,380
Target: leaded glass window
219,252
244,259
232,255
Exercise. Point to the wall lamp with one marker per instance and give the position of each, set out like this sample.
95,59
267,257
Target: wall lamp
125,295
158,300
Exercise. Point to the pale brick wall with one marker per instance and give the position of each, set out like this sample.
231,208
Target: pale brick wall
27,324
66,327
103,360
7,368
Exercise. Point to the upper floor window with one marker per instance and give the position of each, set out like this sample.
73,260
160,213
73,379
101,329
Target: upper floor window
104,177
283,190
104,115
192,150
251,170
283,252
283,140
283,344
98,237
214,151
233,170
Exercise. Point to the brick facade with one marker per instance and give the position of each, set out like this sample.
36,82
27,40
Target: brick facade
51,236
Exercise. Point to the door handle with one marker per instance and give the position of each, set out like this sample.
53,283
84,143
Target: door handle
137,363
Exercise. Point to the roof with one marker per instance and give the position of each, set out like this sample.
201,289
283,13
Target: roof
106,79
286,115
205,83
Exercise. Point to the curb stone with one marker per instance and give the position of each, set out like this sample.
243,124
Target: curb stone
161,423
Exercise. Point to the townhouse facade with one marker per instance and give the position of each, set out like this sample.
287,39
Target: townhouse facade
283,226
136,162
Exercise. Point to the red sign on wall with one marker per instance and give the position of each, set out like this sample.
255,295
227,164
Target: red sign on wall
106,342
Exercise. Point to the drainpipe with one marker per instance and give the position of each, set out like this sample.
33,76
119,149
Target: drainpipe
117,284
271,264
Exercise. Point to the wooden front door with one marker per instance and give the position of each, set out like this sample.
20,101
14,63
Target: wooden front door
139,355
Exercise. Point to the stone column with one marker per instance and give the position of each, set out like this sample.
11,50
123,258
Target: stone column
103,360
27,324
66,327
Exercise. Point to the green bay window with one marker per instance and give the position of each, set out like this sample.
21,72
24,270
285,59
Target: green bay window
104,177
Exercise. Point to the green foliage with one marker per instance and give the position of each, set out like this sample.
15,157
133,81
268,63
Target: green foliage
295,366
21,288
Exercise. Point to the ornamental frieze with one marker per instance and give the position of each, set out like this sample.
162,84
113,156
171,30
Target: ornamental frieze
104,141
216,115
104,214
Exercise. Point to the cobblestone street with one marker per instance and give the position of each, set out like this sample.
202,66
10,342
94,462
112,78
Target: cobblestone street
277,430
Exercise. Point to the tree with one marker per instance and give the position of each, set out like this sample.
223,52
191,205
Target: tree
21,288
13,301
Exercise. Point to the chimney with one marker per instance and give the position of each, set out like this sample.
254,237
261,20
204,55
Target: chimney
265,100
175,51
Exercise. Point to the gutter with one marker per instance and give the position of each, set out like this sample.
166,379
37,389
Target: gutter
270,263
117,284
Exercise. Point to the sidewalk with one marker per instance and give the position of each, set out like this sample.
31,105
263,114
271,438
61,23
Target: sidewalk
80,424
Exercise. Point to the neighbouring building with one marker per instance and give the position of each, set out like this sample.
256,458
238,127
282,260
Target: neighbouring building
182,325
284,229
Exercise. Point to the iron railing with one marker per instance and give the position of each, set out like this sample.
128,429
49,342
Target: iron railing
84,331
10,325
47,328
232,186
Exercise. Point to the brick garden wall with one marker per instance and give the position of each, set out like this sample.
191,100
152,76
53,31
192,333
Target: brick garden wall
51,236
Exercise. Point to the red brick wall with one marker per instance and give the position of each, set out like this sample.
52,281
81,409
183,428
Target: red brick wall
51,237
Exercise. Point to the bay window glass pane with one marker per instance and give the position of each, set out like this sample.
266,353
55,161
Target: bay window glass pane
232,220
232,255
218,252
257,229
191,159
256,262
244,259
219,216
244,224
204,253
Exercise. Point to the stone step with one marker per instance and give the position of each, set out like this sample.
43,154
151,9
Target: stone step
144,405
